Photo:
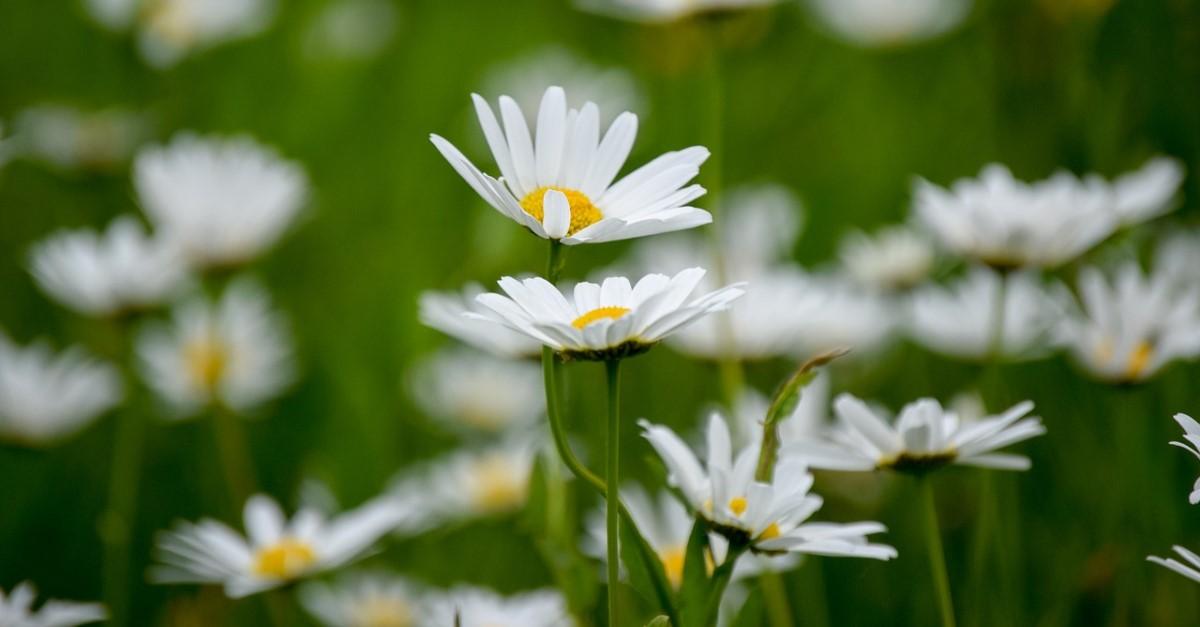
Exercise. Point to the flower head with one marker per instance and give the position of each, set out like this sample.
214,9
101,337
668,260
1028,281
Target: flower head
1189,568
924,437
896,258
16,610
889,22
46,397
446,312
559,182
469,389
276,551
657,11
363,600
119,270
1191,444
468,606
69,138
171,29
1147,192
604,321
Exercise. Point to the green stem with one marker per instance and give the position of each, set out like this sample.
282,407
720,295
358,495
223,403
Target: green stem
122,509
937,557
720,581
613,370
235,457
779,612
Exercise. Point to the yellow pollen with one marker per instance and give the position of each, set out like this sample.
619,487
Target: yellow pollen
1139,358
583,212
285,559
598,314
205,361
737,505
672,561
496,485
770,533
382,612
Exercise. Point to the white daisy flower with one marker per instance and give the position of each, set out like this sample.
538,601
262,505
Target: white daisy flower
848,316
363,600
922,438
1189,568
169,30
524,79
1178,256
70,138
657,11
108,273
352,29
16,610
222,200
467,606
895,258
234,352
559,183
469,389
46,397
1148,192
767,517
276,551
1132,325
447,312
960,320
1191,435
889,22
604,321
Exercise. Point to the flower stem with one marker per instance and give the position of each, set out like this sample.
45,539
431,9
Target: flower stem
122,510
613,370
779,612
937,557
235,456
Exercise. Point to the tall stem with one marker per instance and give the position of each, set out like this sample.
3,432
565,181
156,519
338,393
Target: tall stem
937,557
779,612
122,510
613,370
234,455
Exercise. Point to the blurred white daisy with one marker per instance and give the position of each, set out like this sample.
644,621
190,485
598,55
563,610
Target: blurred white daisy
222,200
276,551
663,521
559,183
525,78
1189,568
959,320
234,352
119,270
1178,256
169,30
467,606
16,610
468,389
446,312
889,22
70,138
351,29
1131,326
604,321
46,397
922,438
1191,444
895,258
655,11
363,600
767,517
848,316
1148,192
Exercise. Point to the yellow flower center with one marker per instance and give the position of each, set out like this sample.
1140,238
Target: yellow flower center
770,533
600,313
1139,358
205,362
737,505
672,561
285,559
497,485
171,21
382,612
583,212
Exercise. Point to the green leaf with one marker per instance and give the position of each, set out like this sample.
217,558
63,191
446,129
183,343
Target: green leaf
783,404
693,592
644,567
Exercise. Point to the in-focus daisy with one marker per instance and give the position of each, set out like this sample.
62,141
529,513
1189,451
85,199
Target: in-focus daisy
559,182
608,320
363,600
766,517
888,22
469,389
1189,568
275,552
895,258
924,437
655,11
70,138
46,397
467,606
525,78
960,320
102,274
222,200
1191,435
234,352
1131,326
16,610
447,312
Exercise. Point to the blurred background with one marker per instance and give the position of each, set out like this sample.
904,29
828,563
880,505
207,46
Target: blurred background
350,89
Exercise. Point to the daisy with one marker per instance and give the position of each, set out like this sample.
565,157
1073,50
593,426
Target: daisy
234,352
103,274
1191,433
468,389
467,606
525,78
363,600
1190,569
767,517
352,30
1148,192
223,201
922,438
895,258
447,312
604,321
70,138
849,316
888,22
276,552
16,610
656,11
169,30
46,397
1178,256
960,320
559,183
663,521
1131,326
